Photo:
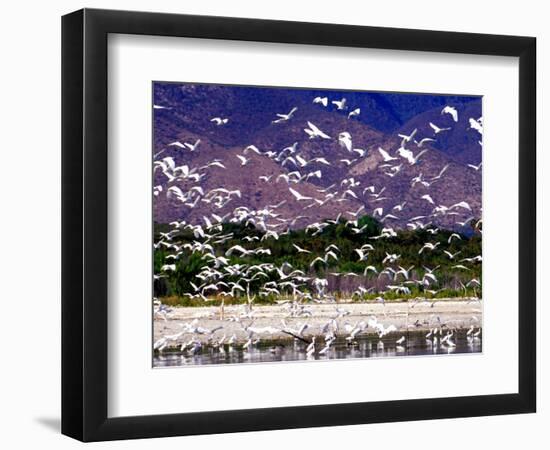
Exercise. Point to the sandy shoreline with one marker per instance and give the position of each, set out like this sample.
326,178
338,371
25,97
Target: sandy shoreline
405,316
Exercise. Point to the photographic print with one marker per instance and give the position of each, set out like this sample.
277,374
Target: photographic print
307,224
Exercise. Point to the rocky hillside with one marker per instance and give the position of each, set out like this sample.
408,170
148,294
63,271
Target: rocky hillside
335,174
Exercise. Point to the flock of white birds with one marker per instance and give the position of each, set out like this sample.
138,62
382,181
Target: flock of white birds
295,289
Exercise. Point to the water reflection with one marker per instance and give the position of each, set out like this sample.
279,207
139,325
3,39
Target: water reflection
364,347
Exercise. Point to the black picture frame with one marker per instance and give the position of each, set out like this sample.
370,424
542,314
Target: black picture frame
84,224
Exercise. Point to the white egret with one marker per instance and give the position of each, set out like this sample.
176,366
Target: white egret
437,129
451,111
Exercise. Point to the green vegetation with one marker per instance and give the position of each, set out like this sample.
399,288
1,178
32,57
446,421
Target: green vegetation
451,280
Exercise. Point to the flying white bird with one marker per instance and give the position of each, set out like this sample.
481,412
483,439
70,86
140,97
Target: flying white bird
322,100
314,132
473,281
244,160
325,259
362,254
388,216
438,129
474,259
428,246
340,104
243,251
214,163
347,162
192,147
176,144
355,112
421,142
429,276
315,174
476,168
299,196
157,190
391,258
394,170
369,268
300,250
219,121
344,139
409,156
463,205
454,235
451,255
476,125
285,117
320,160
452,111
428,198
399,207
465,222
386,155
252,148
407,138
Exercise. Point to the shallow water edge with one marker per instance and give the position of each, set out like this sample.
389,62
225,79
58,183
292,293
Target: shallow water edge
368,346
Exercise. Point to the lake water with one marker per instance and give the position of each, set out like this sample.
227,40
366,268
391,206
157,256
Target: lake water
365,347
